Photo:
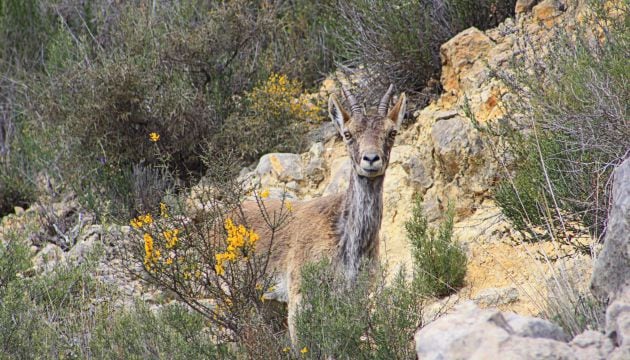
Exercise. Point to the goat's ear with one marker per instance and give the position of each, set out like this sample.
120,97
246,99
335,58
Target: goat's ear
397,113
337,114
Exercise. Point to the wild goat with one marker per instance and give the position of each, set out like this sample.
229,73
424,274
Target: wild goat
342,227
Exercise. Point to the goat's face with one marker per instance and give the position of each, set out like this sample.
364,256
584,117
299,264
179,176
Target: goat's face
368,138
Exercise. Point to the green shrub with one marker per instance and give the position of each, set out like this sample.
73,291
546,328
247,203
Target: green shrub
67,313
365,320
15,258
24,29
578,129
275,119
440,262
173,332
399,41
188,73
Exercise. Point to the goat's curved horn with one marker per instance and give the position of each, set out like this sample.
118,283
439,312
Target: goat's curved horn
384,104
354,105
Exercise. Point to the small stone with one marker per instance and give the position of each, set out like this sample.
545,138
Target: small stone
546,10
315,171
524,6
496,296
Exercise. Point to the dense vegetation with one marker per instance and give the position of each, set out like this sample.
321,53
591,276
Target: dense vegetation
85,82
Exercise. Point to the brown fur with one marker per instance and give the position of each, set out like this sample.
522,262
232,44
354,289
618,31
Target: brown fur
342,227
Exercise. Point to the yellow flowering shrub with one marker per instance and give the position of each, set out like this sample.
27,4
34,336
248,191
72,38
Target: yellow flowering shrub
274,117
215,258
280,96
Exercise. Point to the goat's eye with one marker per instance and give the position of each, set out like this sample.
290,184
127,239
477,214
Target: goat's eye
392,134
347,135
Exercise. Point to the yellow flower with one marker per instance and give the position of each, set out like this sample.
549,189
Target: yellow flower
149,256
136,223
289,206
259,287
219,269
253,237
168,261
304,350
147,219
163,210
264,194
171,237
286,349
154,137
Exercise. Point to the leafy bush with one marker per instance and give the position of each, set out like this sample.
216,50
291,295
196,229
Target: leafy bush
371,318
213,257
173,332
275,119
578,128
114,73
365,320
24,28
64,313
15,258
399,41
440,262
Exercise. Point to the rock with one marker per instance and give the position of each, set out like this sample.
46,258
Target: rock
450,139
531,327
546,11
460,70
622,353
618,320
316,150
340,170
420,174
611,273
416,164
48,258
90,236
592,345
283,167
322,133
473,333
496,296
524,6
315,171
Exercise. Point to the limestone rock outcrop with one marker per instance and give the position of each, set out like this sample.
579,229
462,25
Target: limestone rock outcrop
473,333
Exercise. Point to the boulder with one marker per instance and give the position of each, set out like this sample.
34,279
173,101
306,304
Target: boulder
473,333
282,167
460,69
611,272
453,145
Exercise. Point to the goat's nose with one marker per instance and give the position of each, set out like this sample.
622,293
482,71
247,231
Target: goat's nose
371,158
